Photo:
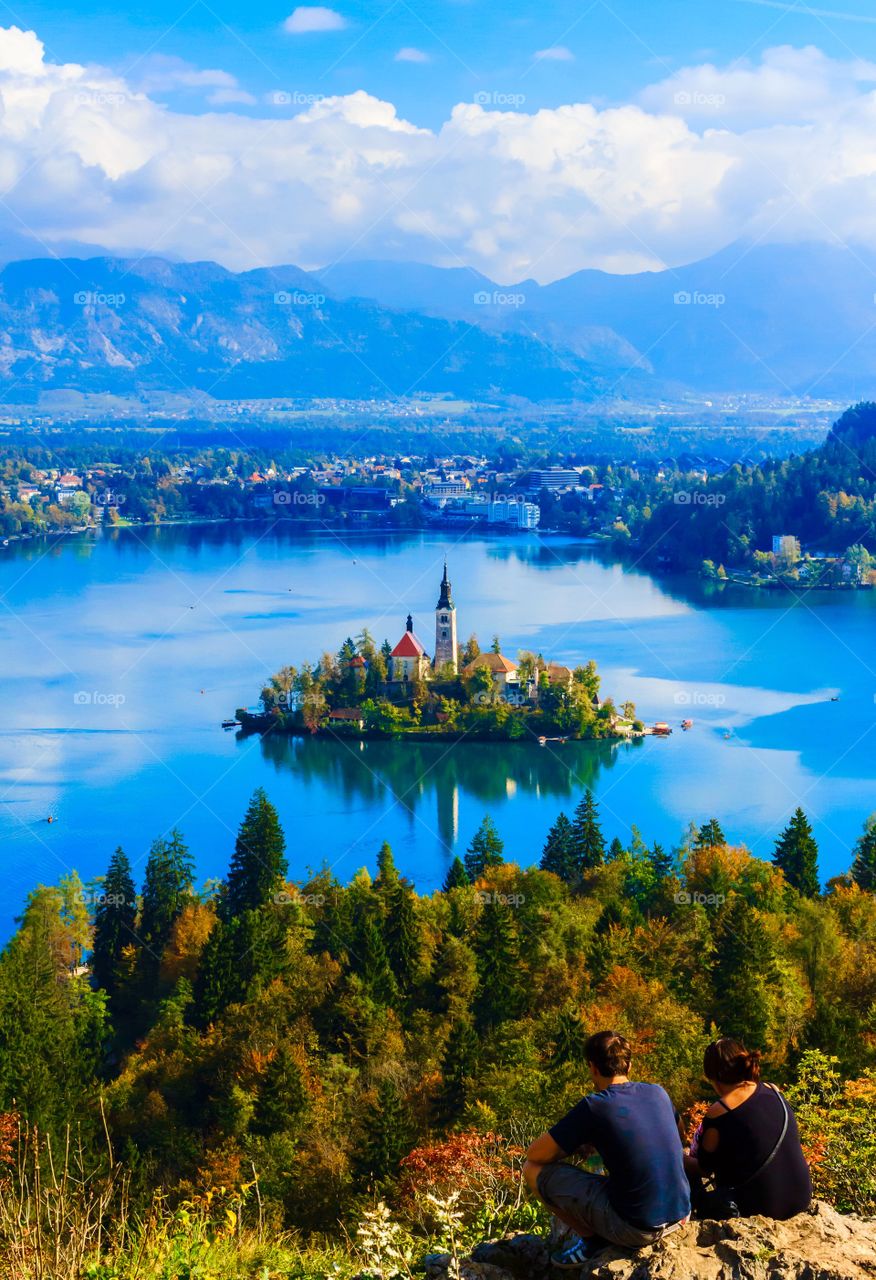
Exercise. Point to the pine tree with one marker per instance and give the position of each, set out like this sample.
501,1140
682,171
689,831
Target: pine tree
218,981
282,1097
498,959
864,864
486,850
602,954
710,835
744,974
796,854
457,876
52,1025
588,845
569,1039
662,863
239,956
373,961
616,850
167,884
258,864
403,945
458,1065
115,918
385,1136
558,855
387,873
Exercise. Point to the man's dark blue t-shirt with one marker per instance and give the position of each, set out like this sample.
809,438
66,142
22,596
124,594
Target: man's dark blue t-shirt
633,1127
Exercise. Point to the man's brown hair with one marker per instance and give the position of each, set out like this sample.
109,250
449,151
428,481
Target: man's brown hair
609,1052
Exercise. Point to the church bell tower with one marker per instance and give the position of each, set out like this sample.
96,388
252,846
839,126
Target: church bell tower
445,627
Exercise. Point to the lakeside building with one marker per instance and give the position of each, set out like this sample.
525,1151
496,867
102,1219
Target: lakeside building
502,669
441,490
786,545
553,478
506,512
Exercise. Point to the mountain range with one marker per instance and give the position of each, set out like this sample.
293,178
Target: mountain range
781,320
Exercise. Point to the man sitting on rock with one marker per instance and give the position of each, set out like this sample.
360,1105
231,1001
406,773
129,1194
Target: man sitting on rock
632,1127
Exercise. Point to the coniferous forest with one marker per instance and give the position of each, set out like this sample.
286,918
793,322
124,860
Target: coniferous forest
292,1072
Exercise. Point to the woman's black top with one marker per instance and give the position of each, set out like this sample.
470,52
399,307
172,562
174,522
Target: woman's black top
747,1135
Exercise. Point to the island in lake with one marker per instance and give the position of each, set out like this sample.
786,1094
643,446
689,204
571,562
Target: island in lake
389,691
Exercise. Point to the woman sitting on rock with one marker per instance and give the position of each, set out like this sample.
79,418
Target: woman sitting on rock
748,1142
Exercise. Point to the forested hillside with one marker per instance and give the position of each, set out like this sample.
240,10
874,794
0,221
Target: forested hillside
268,1057
825,497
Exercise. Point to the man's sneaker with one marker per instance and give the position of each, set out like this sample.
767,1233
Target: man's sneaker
579,1252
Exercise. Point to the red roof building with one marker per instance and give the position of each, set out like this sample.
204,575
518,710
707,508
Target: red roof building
409,660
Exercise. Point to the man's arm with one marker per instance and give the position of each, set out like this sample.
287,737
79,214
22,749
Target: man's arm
541,1152
544,1150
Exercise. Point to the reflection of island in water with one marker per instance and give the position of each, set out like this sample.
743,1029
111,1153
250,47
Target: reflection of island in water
410,773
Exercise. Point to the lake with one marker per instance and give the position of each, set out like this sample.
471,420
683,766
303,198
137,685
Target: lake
123,651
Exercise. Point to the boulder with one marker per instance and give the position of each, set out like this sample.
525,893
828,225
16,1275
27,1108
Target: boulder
820,1244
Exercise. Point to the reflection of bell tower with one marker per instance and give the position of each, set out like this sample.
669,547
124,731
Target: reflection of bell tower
445,627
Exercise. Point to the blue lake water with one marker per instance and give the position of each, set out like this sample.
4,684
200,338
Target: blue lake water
121,653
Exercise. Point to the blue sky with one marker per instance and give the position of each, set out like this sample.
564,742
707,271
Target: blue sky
614,50
514,138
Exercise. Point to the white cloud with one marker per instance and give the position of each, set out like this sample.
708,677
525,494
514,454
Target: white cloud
511,192
409,54
788,86
556,53
307,18
160,73
228,97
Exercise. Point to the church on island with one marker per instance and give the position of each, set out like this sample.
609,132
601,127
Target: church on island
409,661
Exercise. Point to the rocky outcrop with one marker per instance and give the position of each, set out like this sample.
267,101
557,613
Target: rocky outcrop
818,1245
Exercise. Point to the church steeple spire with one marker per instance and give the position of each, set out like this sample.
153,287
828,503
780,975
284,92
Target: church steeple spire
445,627
445,599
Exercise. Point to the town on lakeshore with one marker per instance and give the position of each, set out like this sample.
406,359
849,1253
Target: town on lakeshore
460,691
667,514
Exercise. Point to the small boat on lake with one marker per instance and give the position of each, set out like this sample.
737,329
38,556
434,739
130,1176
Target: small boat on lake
687,724
230,724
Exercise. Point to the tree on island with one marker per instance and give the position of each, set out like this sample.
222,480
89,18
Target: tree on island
487,849
258,865
864,865
457,876
470,650
115,918
558,855
796,855
588,845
